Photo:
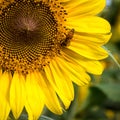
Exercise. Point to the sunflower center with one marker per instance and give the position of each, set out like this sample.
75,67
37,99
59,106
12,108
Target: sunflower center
31,33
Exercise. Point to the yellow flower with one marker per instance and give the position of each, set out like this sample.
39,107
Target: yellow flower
45,46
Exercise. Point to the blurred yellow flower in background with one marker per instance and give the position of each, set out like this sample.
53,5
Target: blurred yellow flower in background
45,46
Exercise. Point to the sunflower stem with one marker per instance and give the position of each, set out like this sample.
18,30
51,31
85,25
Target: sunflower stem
111,55
45,118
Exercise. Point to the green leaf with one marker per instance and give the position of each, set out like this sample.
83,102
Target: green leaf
112,90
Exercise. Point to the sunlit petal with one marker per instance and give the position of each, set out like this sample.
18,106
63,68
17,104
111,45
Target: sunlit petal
17,94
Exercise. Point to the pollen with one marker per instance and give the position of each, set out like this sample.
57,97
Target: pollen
32,33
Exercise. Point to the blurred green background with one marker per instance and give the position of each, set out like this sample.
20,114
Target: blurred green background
101,99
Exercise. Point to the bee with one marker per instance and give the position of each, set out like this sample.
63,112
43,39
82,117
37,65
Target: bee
69,36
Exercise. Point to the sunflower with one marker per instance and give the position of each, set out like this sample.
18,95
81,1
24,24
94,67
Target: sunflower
45,47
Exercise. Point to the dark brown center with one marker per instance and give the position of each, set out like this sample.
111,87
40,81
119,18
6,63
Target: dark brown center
31,33
28,29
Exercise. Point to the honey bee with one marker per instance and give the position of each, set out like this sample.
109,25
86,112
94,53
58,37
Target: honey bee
69,36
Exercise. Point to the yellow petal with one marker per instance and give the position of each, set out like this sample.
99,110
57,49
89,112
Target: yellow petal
63,98
75,72
94,39
84,7
89,24
34,95
17,94
61,80
91,66
4,107
5,80
51,99
89,51
94,67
